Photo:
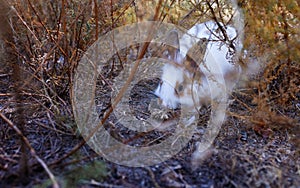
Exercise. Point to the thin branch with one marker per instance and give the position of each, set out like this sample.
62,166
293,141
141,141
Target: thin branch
32,151
96,18
121,92
25,24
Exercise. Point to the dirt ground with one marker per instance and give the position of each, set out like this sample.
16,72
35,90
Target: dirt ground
241,156
257,146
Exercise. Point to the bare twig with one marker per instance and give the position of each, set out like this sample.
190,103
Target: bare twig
120,94
26,25
32,151
96,18
226,38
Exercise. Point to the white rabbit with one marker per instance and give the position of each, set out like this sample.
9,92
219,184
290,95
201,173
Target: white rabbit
184,81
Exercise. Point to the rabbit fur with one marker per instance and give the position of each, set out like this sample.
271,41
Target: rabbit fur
194,80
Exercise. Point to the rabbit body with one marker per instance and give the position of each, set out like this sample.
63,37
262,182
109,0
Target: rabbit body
195,82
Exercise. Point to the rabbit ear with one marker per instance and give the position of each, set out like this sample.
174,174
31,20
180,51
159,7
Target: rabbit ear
172,45
196,53
172,39
195,57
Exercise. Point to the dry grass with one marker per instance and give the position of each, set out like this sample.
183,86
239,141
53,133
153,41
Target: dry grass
50,37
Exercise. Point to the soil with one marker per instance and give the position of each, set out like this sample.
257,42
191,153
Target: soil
241,155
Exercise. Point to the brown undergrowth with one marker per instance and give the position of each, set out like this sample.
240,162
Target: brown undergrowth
257,146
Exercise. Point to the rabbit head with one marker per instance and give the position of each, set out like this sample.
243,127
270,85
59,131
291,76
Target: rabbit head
181,75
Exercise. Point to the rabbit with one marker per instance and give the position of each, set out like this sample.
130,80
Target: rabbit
195,82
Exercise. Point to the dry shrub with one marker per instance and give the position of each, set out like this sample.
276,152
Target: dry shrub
272,35
51,37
